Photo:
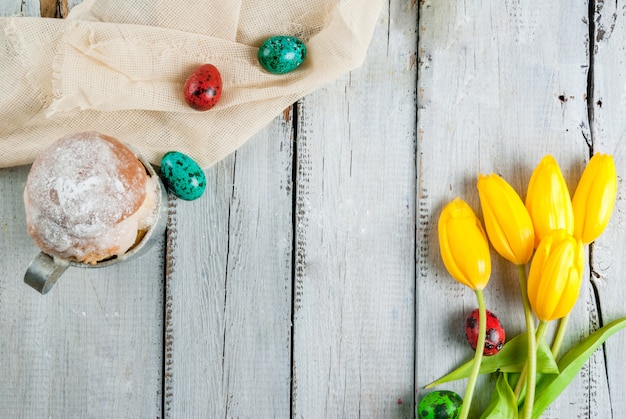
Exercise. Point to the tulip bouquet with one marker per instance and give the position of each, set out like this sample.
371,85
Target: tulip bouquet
544,236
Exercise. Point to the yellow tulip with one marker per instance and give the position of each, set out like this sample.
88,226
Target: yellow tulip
508,224
555,275
548,200
463,245
594,198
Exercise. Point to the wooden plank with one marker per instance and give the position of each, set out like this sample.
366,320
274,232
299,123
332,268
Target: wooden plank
228,341
19,8
500,85
92,347
49,8
609,136
355,224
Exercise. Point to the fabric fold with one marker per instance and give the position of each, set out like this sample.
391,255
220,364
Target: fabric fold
120,71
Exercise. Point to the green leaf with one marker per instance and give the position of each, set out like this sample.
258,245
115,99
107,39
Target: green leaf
511,358
550,387
503,403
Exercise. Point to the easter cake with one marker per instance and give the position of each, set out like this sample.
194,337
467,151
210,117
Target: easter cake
88,198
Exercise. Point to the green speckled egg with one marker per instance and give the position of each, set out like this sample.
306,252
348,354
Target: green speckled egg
441,404
281,54
182,176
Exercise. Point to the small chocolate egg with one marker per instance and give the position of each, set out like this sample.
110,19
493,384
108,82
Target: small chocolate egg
441,404
203,88
182,176
281,54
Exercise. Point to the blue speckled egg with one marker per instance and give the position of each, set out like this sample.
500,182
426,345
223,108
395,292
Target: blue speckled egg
281,54
182,176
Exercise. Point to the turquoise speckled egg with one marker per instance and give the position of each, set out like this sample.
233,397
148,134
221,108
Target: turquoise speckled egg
182,176
281,54
441,404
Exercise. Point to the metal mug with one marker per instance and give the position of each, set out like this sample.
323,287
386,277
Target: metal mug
44,270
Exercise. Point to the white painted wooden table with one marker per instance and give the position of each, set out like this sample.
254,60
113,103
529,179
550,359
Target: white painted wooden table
307,281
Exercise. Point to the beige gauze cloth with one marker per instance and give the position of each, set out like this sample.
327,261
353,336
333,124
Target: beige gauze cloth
119,66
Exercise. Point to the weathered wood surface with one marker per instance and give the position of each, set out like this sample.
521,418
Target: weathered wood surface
501,84
312,289
526,80
607,107
306,282
94,346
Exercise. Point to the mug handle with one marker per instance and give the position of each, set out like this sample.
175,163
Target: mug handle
43,272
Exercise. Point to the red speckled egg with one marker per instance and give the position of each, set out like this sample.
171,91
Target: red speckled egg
494,335
203,88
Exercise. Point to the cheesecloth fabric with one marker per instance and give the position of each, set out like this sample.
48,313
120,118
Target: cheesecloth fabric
118,67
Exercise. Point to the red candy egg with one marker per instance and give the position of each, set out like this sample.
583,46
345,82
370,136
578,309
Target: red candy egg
494,335
203,88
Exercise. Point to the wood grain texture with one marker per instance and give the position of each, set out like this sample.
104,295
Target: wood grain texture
355,232
608,107
92,347
307,281
500,85
49,8
19,8
229,289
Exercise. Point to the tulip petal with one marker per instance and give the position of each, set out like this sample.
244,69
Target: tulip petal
569,294
548,199
463,245
507,221
594,198
555,275
554,281
537,269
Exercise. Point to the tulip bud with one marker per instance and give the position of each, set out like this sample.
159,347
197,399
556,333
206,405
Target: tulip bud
548,200
463,245
594,198
508,224
555,275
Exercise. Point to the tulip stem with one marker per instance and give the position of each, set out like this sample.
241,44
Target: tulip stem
560,334
531,376
541,332
478,356
521,381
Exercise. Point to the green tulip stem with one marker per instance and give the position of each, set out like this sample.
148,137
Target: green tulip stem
560,335
521,381
541,332
478,356
531,377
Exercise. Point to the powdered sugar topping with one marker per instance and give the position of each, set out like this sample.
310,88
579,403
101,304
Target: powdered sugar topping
79,188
